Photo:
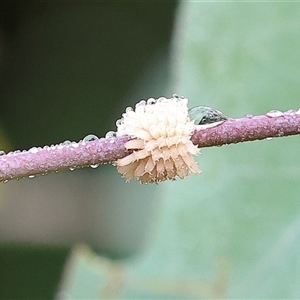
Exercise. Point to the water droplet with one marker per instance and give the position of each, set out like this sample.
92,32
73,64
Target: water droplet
2,152
164,100
94,166
119,122
128,109
33,150
141,103
110,134
111,141
5,181
151,101
75,145
249,116
206,115
274,113
66,143
175,96
269,138
72,168
31,176
289,111
280,133
90,137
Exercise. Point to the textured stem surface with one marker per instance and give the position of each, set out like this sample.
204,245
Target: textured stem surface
17,164
273,124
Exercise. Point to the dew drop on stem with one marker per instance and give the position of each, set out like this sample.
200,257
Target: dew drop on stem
94,166
33,150
249,116
290,111
90,137
66,143
274,113
110,134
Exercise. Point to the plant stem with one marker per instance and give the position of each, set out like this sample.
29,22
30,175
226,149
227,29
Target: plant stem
17,164
273,124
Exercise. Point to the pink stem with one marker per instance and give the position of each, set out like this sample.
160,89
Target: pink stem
250,128
16,165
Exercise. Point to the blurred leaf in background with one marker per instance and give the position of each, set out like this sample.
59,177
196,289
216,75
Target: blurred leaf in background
69,69
68,66
232,231
240,58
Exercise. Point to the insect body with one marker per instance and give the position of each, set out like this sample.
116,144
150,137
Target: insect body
206,115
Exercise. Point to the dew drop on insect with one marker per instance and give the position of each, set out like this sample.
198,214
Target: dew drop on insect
90,137
2,152
274,113
31,176
94,166
119,122
72,168
151,101
141,103
128,109
110,134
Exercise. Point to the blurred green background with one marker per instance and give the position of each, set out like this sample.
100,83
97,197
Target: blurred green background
70,69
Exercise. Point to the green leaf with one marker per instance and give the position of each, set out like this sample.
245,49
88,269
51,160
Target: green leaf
232,231
241,58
